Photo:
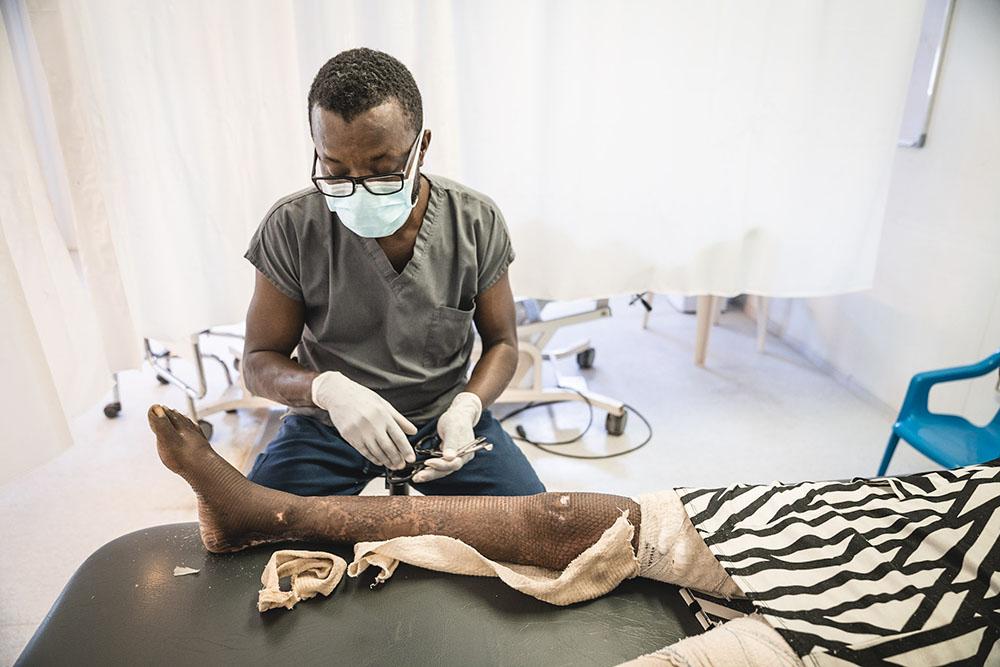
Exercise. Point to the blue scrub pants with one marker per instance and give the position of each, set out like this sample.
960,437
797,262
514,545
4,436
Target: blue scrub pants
309,458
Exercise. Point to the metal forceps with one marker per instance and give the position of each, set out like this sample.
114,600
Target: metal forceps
428,447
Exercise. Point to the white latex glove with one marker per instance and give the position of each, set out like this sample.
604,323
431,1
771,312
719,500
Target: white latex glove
365,420
455,428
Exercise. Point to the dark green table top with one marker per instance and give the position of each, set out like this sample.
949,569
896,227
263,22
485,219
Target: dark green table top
125,607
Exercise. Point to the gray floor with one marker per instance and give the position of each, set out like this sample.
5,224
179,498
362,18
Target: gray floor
745,417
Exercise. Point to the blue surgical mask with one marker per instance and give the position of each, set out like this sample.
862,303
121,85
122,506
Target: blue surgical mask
376,216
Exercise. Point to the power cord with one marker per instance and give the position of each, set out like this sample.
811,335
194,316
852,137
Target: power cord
544,446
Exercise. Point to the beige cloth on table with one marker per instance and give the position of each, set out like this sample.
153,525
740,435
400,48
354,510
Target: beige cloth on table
596,571
312,572
670,550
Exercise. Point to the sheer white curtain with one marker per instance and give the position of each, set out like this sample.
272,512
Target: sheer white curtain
51,354
198,115
712,147
716,147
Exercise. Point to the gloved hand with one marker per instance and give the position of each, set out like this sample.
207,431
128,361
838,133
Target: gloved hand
365,420
455,428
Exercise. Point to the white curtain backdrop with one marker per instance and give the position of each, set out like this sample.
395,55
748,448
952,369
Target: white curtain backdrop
713,147
50,344
717,147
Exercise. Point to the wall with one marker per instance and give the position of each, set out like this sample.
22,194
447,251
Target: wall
936,296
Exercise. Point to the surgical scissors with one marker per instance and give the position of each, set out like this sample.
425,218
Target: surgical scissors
425,453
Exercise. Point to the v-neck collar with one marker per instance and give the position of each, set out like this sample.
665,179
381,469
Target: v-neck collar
378,255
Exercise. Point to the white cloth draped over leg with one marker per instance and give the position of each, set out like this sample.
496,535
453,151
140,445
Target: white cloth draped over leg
596,571
670,550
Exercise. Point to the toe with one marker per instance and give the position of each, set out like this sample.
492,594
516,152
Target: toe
173,418
157,417
185,426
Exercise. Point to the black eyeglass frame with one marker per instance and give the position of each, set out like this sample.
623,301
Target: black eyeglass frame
363,180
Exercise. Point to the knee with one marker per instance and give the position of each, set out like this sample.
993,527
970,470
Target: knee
567,518
577,520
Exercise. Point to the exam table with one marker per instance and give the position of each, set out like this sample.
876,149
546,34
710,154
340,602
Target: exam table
124,606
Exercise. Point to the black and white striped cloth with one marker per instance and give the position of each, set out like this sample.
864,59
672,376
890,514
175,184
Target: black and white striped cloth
886,571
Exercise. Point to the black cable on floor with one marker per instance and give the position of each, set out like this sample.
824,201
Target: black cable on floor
544,446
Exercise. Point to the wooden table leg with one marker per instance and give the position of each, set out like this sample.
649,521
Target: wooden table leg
705,311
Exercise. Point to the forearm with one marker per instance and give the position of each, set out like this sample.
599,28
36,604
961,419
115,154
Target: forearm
493,372
279,378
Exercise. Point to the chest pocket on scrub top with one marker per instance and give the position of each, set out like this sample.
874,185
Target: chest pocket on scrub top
446,335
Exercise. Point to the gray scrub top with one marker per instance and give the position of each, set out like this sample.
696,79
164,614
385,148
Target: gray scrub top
407,336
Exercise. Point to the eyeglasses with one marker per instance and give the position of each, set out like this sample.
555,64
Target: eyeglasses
377,184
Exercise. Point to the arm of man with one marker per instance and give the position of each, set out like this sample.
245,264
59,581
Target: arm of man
497,324
364,419
274,327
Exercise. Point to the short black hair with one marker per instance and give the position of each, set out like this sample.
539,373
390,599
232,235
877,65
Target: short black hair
357,80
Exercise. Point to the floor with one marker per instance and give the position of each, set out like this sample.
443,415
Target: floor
746,417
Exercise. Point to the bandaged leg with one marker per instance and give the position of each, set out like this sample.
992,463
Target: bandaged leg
554,529
671,550
551,529
742,642
596,571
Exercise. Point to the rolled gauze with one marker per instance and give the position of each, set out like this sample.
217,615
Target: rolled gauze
311,572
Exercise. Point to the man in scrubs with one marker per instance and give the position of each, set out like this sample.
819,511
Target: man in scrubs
367,287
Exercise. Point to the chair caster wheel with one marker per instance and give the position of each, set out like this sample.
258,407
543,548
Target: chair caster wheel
614,424
585,358
111,410
162,380
206,428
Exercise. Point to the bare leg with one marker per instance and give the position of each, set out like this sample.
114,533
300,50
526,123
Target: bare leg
234,513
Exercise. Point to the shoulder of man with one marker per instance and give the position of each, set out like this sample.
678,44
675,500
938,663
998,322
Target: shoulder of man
298,208
479,207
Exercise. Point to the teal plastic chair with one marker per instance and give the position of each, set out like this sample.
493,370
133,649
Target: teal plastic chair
948,440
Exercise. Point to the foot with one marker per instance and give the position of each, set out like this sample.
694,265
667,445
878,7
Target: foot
230,507
181,445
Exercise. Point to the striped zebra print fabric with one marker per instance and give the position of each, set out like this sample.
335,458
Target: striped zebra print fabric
897,570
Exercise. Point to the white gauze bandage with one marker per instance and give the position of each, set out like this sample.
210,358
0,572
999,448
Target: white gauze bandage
312,573
741,642
596,571
671,550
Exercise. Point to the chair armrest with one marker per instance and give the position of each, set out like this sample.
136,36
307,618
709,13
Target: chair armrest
920,385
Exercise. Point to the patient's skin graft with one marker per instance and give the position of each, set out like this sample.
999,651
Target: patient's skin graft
547,529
